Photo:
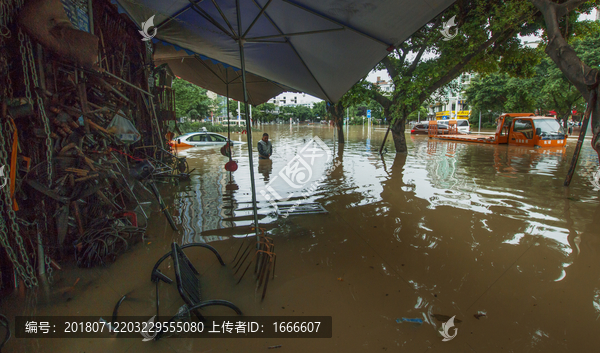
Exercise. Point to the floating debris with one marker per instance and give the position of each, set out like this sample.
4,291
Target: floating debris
480,314
414,321
444,318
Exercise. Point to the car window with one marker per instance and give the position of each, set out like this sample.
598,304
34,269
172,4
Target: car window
549,126
200,138
522,125
463,123
421,126
218,138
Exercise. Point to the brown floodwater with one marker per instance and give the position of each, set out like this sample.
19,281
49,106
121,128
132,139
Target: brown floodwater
484,233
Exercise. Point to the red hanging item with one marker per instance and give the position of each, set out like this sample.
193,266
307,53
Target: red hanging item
231,166
226,150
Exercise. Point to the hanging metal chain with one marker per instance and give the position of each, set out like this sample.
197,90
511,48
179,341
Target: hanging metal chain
23,266
4,68
11,255
6,14
24,63
28,60
25,272
47,259
49,269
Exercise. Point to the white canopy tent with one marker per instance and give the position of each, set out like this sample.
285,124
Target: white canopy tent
214,76
321,47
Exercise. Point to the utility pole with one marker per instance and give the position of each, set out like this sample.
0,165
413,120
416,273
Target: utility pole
479,130
458,94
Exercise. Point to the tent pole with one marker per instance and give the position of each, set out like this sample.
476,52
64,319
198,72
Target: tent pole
228,122
248,126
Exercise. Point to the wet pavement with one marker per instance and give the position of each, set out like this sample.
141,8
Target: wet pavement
451,229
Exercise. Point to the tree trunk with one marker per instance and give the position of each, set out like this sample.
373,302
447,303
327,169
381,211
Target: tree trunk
398,135
340,128
337,115
582,76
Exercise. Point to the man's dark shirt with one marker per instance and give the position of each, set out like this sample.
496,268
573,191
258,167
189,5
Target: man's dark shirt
265,148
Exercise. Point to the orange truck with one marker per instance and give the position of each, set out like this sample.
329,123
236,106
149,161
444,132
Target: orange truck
519,129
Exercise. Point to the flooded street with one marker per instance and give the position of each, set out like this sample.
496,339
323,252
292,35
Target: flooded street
486,233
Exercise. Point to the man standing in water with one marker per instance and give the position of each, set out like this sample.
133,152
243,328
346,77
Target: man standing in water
265,149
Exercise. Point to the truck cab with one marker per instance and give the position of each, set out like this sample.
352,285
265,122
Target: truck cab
530,130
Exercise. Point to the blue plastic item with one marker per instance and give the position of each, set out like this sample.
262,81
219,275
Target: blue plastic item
414,321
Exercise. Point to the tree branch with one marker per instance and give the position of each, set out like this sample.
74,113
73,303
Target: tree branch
389,66
384,101
417,59
457,69
563,55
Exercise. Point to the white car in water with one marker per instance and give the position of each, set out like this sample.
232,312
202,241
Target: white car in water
462,125
202,138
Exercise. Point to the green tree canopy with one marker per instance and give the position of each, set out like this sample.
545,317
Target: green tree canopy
265,112
191,97
299,112
486,41
547,90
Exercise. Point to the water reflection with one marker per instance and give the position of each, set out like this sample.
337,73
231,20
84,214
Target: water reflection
207,201
448,229
265,167
510,181
452,219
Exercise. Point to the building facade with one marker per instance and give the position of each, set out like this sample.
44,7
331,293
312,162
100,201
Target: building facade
451,101
294,99
386,87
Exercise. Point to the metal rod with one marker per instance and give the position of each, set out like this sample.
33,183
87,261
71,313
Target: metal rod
582,132
385,138
257,17
162,205
127,83
248,126
41,262
153,113
228,122
285,41
223,16
207,17
296,52
175,15
91,16
106,72
294,34
210,69
336,22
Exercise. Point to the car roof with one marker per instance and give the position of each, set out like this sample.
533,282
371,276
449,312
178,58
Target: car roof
201,133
